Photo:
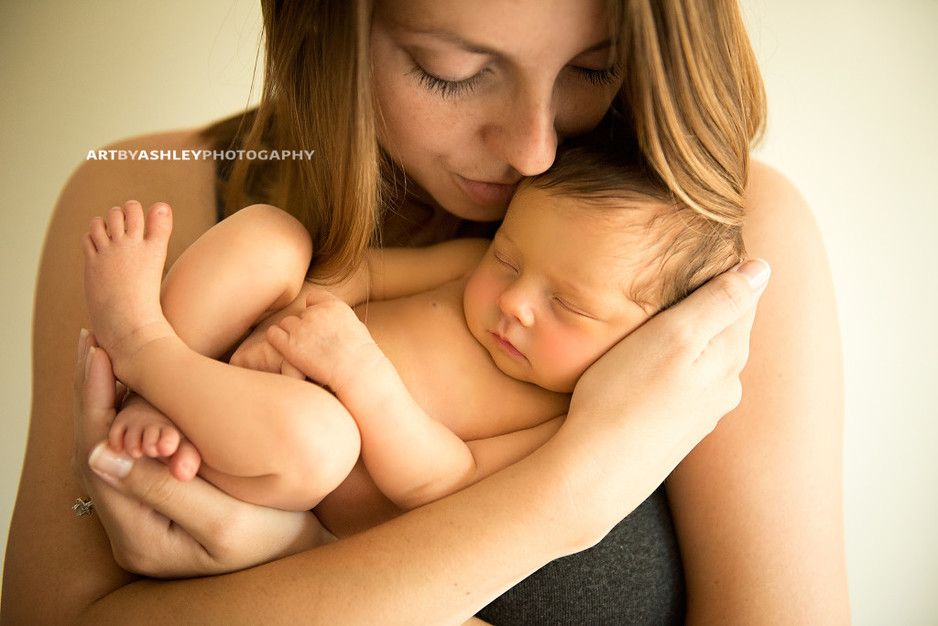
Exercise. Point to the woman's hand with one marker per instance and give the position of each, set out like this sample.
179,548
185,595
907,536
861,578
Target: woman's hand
664,387
159,526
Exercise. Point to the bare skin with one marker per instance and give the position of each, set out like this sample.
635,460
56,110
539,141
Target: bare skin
124,260
779,230
758,507
211,401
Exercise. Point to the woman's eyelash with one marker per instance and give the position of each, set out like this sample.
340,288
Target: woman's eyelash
445,88
455,88
599,77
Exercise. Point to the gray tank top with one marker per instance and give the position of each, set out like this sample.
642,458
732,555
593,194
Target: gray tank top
633,576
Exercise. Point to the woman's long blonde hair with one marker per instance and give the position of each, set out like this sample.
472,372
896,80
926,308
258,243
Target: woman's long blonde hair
692,92
316,96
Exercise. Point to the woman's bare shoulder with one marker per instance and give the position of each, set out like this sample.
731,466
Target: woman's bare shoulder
168,166
769,469
173,167
777,215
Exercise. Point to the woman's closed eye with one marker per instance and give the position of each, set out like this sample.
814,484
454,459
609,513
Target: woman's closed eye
603,77
446,88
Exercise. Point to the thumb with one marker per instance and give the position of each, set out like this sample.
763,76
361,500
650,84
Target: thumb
95,393
723,300
192,504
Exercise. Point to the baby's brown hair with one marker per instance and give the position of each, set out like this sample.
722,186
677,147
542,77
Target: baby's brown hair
687,247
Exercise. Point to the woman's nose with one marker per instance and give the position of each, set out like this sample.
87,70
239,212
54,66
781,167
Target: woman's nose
514,302
525,135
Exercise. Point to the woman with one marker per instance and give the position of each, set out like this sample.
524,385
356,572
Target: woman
467,102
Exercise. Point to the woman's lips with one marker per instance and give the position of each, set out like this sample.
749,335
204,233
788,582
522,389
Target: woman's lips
495,195
508,347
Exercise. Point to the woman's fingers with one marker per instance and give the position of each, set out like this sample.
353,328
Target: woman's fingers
718,305
159,526
192,528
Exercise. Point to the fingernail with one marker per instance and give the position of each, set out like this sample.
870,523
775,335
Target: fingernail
756,271
88,359
109,464
82,343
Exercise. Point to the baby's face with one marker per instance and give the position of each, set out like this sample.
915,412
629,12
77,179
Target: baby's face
550,295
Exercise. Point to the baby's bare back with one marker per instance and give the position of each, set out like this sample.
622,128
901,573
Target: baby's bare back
452,377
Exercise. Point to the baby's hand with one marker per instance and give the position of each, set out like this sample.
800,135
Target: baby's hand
139,430
256,353
327,341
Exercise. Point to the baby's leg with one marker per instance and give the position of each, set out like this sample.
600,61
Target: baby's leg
239,271
250,264
124,258
250,425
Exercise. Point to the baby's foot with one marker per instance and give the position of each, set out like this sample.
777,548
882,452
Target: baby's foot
124,258
139,430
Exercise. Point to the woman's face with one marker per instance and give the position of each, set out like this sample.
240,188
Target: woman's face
475,95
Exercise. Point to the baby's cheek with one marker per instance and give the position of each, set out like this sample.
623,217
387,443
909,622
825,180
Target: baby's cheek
564,359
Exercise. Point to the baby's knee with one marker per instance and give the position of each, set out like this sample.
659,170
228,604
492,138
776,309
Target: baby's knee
283,237
320,446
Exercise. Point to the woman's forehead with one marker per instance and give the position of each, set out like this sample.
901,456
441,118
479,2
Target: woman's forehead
503,26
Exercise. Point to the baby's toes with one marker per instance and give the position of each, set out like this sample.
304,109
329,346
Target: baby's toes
185,463
133,442
168,442
151,441
159,222
115,437
133,218
97,232
116,223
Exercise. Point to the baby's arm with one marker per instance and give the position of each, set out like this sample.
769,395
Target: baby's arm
385,274
399,272
412,458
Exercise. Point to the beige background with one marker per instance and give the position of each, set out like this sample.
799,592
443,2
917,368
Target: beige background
853,101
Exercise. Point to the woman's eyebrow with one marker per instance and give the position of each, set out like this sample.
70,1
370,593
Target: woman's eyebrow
476,48
450,37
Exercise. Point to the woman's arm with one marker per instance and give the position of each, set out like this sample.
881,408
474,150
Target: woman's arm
437,564
759,503
56,564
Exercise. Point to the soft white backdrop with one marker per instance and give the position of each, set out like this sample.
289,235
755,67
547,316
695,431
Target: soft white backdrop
852,99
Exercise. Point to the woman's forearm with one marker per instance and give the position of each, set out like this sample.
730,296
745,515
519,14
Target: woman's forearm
438,564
